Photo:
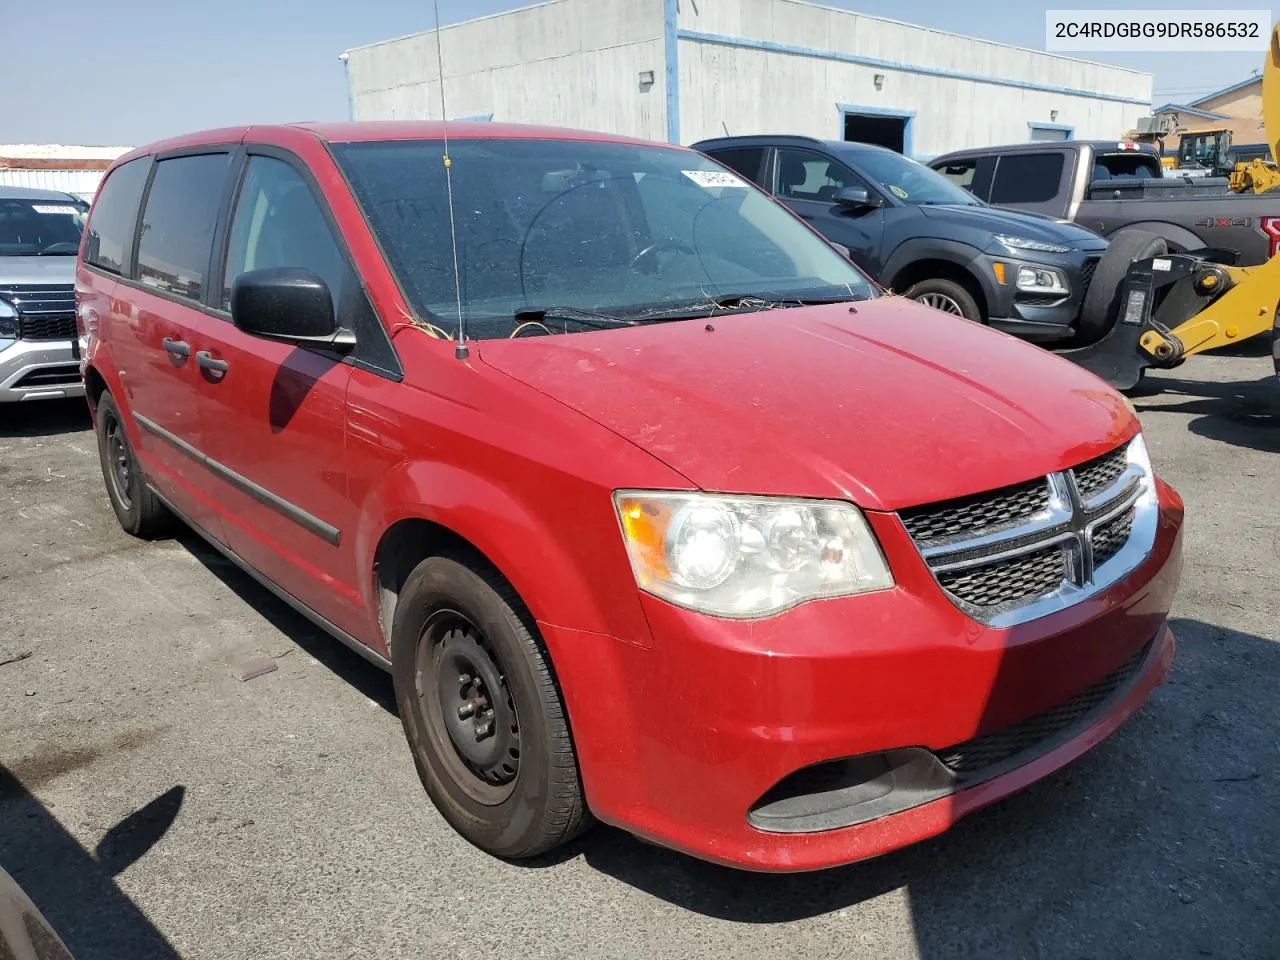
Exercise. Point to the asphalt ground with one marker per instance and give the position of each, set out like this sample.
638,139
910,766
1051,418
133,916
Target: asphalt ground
155,805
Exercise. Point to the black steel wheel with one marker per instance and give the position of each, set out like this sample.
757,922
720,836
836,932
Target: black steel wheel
136,507
482,711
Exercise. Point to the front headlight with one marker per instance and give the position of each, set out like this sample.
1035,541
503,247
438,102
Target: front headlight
1140,457
1042,280
747,557
1026,243
8,320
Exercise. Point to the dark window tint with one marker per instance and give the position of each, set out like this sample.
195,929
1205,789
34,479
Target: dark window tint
745,160
114,214
1027,178
178,223
810,176
960,173
278,223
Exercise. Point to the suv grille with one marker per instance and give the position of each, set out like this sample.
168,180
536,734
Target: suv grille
973,759
1018,552
1086,274
45,311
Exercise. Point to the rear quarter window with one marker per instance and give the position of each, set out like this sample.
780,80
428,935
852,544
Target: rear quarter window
111,224
1027,177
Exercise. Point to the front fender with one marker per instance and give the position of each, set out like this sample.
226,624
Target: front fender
582,580
955,252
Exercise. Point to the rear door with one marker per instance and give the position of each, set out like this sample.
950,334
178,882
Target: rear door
156,320
807,182
275,414
748,161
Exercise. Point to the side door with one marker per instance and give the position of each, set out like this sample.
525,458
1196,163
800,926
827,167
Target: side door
275,414
156,320
807,182
1038,182
971,173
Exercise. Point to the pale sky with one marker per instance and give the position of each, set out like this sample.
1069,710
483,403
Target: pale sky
130,71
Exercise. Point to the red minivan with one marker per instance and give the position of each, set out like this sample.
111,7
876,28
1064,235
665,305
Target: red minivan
656,509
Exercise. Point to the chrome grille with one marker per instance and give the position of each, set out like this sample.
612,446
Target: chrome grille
45,311
1097,475
984,512
1020,552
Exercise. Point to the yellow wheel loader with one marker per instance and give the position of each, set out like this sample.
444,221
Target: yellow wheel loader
1170,306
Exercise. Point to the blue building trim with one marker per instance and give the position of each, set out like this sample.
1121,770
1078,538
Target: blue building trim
786,48
1034,125
1238,85
476,118
671,44
847,109
1183,108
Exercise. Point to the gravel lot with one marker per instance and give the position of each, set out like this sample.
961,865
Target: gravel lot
155,806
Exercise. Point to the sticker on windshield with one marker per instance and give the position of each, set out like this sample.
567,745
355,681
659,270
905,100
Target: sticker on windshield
713,179
55,208
898,191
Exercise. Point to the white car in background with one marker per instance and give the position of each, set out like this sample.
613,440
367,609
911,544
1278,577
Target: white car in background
39,239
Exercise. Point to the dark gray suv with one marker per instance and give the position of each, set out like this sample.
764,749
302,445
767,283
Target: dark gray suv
920,235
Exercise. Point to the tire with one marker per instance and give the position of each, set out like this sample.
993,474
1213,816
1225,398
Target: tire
947,296
140,512
516,793
1102,300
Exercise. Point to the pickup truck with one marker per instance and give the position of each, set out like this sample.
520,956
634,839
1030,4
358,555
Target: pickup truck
1109,186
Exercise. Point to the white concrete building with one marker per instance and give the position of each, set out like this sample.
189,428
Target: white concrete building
681,70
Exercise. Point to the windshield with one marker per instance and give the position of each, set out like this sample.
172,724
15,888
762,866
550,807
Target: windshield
622,232
41,227
909,181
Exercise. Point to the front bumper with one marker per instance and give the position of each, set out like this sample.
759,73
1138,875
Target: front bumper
682,742
38,370
1031,316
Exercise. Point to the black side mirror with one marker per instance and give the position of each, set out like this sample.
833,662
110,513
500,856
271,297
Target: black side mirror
289,305
856,198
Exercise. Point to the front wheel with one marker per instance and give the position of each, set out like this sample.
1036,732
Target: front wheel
947,296
482,712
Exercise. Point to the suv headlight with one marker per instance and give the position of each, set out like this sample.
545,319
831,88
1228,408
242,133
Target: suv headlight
746,557
1042,280
8,320
1025,243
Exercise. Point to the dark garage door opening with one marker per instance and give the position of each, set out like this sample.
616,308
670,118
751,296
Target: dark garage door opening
883,131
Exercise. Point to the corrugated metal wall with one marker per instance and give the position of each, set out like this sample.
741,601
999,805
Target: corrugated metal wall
83,183
566,63
783,90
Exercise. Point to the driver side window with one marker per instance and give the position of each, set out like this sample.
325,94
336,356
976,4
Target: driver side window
278,223
803,175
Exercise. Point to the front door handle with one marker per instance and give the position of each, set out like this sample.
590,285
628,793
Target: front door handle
208,361
179,349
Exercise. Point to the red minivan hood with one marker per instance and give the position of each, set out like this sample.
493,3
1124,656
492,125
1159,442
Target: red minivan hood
893,405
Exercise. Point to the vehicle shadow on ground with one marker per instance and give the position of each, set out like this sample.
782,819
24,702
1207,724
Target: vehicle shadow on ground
76,890
1243,414
371,681
1096,861
44,418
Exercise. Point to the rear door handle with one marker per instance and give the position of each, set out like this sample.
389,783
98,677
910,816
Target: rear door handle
177,348
208,361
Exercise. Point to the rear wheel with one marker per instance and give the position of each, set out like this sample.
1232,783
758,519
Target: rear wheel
482,711
1101,304
947,296
139,511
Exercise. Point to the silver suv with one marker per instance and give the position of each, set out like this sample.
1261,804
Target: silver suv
39,238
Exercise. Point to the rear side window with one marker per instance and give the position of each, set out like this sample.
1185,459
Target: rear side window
114,215
178,223
1027,178
745,160
960,172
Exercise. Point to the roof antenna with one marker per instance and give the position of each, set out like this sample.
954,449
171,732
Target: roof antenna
460,351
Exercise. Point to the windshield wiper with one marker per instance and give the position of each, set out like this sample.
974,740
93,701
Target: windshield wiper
570,315
732,303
